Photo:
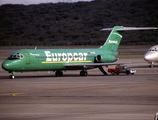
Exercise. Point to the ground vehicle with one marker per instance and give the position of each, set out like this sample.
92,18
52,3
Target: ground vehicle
121,69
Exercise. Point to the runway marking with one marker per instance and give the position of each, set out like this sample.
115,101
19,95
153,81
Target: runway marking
22,94
5,94
15,94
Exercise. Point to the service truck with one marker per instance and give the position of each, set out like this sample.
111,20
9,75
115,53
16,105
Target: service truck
121,69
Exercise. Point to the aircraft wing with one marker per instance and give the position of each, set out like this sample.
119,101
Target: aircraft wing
92,65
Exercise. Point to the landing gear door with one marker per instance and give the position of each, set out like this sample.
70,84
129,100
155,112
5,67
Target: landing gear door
27,57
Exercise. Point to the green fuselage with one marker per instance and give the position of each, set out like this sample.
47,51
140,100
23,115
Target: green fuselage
54,59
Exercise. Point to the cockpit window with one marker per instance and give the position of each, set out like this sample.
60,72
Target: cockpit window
17,56
153,49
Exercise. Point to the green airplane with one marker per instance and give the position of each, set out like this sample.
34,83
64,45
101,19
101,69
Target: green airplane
68,59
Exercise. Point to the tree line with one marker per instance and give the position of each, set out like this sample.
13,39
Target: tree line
77,23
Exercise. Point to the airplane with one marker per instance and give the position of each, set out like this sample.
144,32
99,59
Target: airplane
151,55
59,60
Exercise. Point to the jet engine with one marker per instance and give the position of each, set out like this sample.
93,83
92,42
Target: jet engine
105,58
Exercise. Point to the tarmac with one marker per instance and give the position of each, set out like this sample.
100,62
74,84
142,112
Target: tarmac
41,95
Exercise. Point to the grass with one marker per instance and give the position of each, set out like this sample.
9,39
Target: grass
132,53
67,47
130,57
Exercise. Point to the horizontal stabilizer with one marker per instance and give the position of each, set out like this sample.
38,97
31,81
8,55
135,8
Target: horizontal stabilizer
129,28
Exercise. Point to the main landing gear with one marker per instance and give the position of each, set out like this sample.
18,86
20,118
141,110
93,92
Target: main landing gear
58,73
83,73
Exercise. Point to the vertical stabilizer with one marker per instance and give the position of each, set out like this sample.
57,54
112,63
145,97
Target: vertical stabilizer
113,40
116,35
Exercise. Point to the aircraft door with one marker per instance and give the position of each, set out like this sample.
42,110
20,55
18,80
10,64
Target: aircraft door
27,57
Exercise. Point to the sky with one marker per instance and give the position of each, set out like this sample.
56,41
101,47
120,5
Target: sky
28,2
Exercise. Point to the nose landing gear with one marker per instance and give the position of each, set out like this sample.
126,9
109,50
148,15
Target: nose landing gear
12,76
151,65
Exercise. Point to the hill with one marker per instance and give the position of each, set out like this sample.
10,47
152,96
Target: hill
77,23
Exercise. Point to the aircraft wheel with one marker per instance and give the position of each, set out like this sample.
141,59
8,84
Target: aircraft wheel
132,73
117,73
127,73
83,73
11,76
151,66
59,73
112,73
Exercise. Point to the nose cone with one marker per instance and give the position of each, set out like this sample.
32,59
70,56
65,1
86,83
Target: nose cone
5,65
147,57
150,57
8,65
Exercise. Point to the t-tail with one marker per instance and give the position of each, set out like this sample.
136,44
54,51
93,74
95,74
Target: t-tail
114,39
